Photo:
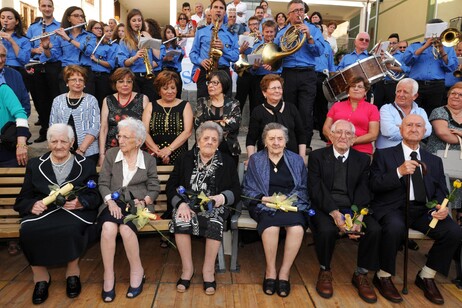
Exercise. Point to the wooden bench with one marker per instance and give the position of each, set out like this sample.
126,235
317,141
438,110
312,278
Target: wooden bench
241,220
11,180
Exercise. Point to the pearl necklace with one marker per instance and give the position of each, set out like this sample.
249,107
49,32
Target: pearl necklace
76,103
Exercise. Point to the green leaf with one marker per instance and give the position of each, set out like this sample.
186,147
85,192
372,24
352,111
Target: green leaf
354,208
431,204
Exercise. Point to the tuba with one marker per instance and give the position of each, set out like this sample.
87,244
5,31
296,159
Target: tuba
290,42
147,62
214,54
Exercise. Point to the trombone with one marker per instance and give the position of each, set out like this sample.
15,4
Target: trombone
448,38
54,32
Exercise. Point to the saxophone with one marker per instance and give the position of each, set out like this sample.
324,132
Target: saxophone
147,62
214,54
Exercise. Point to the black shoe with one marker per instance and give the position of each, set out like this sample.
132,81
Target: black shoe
73,286
134,292
210,285
185,283
269,286
40,294
108,296
41,138
283,288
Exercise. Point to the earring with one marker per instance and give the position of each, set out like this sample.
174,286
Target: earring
67,85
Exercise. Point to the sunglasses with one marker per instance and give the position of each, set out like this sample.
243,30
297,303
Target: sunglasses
364,39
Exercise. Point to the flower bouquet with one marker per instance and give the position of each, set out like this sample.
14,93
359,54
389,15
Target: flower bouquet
355,217
457,184
66,193
281,202
198,202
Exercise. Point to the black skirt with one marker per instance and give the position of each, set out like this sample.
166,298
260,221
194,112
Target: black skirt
106,216
56,237
279,218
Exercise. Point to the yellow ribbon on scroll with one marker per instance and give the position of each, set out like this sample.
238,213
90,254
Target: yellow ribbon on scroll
65,190
283,205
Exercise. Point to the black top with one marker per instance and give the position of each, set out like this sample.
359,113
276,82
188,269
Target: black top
280,181
290,118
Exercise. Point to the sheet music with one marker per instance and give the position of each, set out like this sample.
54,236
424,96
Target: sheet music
173,53
245,38
147,42
251,58
435,30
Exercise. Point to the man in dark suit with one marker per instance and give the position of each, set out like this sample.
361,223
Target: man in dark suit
337,179
390,170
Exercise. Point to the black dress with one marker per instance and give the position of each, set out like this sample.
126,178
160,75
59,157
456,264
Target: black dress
57,236
280,182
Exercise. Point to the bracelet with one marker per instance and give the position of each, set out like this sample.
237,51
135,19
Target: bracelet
171,149
97,62
444,55
82,151
46,48
70,39
21,145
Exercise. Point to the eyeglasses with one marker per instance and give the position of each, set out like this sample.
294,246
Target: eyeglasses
275,88
213,82
341,132
361,39
297,11
182,18
76,80
122,81
358,86
120,137
402,47
455,94
97,28
253,24
78,15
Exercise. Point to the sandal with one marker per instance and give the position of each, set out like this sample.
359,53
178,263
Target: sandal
185,283
283,288
13,248
269,286
209,285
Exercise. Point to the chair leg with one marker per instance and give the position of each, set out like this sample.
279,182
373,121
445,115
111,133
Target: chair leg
221,260
234,267
458,280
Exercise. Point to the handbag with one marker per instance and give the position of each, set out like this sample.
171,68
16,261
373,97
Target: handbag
452,160
8,136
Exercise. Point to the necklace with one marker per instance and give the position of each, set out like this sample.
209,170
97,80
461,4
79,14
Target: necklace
60,167
275,166
167,117
76,103
128,100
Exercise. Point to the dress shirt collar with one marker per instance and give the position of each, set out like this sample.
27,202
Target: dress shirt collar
139,159
407,152
2,76
337,154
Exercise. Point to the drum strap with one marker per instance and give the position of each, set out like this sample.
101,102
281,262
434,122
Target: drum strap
401,114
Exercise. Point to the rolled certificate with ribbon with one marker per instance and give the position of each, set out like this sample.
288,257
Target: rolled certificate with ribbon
283,207
66,189
434,220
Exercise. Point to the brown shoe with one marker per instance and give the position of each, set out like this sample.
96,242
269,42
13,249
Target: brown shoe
365,289
324,284
387,289
431,292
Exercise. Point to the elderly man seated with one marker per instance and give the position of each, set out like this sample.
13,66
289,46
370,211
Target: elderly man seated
337,179
391,169
392,114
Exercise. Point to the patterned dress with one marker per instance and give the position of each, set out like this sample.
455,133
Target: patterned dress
117,112
166,125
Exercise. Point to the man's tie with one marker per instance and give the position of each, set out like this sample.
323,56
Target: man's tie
340,159
417,181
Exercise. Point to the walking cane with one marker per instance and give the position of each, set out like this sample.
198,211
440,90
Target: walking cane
406,221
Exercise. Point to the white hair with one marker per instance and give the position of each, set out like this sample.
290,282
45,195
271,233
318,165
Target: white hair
334,126
135,126
415,85
59,128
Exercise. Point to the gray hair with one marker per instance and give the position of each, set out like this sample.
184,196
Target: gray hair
59,128
415,85
135,126
334,126
274,125
209,125
362,32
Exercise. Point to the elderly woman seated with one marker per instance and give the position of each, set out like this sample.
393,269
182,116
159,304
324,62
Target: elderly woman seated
57,233
203,169
273,175
131,173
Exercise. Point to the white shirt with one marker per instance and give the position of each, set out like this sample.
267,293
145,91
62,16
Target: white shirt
240,8
333,43
197,18
407,156
128,174
337,154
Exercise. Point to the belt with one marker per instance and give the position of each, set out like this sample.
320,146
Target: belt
431,82
97,74
389,82
321,74
300,69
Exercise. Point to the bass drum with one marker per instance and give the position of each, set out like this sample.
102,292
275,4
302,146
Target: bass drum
371,69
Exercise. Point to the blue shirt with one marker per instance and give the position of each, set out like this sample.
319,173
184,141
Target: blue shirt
390,120
35,29
68,54
326,60
306,55
176,62
201,46
24,51
107,53
351,58
450,80
425,67
124,52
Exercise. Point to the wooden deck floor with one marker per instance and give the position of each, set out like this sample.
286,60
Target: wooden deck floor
243,289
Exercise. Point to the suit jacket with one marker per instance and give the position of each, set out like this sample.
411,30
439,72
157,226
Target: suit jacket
14,80
390,191
321,176
39,175
144,182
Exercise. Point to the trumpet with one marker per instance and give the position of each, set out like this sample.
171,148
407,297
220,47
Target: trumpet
147,62
448,38
458,72
54,32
